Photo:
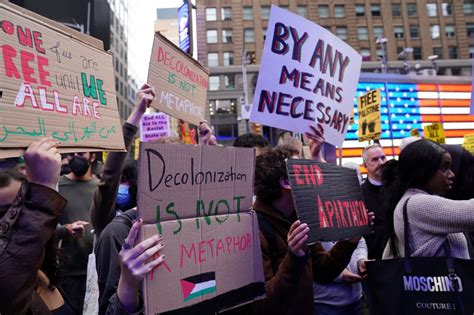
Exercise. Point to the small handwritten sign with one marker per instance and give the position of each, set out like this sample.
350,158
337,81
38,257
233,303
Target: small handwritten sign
435,132
369,116
468,143
154,126
414,132
328,198
54,83
308,76
180,81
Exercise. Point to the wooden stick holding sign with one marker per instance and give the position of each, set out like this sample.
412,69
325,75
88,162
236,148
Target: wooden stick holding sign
328,198
54,82
307,76
180,81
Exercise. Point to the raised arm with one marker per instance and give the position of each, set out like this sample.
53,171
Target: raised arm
327,266
103,205
27,225
315,138
439,215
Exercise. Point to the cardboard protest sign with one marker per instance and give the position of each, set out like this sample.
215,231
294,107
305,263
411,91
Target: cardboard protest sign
328,198
154,126
246,110
180,81
54,82
435,132
368,107
198,198
415,132
469,142
186,134
307,76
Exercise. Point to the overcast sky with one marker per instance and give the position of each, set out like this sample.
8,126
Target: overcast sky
168,3
142,15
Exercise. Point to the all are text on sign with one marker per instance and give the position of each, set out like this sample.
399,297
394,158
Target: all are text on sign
55,82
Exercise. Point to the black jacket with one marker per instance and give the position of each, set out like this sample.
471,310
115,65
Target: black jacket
107,256
25,227
375,202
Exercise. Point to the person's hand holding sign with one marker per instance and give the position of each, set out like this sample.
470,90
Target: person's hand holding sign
136,261
43,163
145,97
297,237
371,217
205,134
315,138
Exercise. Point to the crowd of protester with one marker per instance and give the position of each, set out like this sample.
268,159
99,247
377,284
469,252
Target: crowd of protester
50,224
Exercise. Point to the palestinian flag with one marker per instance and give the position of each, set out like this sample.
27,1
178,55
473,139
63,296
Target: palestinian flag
199,285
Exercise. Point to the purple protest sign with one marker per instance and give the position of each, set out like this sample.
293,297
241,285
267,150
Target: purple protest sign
154,126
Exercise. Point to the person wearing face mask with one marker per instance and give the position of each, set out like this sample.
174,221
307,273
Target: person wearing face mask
65,165
127,191
74,231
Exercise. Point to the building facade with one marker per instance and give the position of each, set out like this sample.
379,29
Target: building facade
168,25
425,37
119,49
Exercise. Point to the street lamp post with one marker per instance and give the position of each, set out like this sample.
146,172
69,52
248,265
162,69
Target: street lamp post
245,62
382,41
404,55
418,69
434,64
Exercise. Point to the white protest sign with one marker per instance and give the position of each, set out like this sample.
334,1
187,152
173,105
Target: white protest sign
154,126
307,76
246,109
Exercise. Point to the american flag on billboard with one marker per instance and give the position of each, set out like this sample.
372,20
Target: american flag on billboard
406,106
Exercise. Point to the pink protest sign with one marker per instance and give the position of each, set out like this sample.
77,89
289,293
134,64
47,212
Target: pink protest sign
154,126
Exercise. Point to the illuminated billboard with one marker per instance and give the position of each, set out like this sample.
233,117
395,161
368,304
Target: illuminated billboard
406,106
184,27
